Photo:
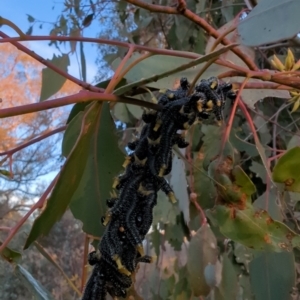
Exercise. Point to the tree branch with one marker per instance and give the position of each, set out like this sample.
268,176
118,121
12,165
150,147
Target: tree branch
82,96
33,141
53,67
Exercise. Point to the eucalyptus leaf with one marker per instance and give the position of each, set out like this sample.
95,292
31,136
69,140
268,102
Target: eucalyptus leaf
51,81
37,290
264,19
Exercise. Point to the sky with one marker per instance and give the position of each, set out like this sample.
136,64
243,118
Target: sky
47,10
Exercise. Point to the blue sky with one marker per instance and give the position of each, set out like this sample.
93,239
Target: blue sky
17,10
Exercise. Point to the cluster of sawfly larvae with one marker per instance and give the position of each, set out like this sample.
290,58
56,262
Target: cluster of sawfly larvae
130,212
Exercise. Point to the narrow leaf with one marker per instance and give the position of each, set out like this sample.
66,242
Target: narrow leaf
51,81
69,178
203,251
37,290
272,276
10,255
87,20
83,62
103,164
286,170
164,66
265,17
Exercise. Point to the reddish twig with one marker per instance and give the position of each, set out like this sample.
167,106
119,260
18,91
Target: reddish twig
37,205
117,78
4,228
197,20
231,117
33,141
84,261
53,67
82,96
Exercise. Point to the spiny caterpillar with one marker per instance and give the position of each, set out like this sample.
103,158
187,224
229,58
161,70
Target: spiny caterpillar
130,212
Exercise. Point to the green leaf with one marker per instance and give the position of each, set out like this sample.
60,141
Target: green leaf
145,22
286,170
30,18
5,173
237,136
272,276
75,32
51,81
265,17
87,20
203,185
174,233
71,134
254,229
242,180
10,255
212,142
259,170
121,112
160,71
83,62
179,185
77,8
156,240
227,10
251,96
202,253
29,31
294,142
243,255
135,110
69,178
270,202
37,290
104,162
164,212
228,287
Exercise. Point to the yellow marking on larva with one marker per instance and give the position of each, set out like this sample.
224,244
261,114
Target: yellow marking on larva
157,125
210,104
115,183
171,197
199,105
213,85
126,162
143,191
140,161
171,96
152,142
107,219
140,249
120,266
186,125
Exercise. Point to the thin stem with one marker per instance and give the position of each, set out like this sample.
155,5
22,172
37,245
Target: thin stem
82,96
232,115
181,68
33,141
53,67
37,205
117,78
84,261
